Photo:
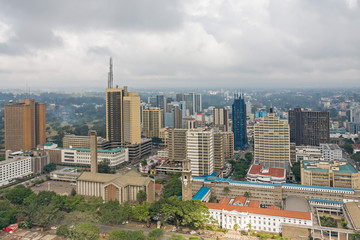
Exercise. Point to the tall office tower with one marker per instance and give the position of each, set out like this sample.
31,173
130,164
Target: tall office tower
221,118
239,122
123,121
193,103
309,127
25,125
180,97
228,144
114,113
219,156
272,142
160,101
177,117
152,122
152,101
177,144
200,151
168,104
131,117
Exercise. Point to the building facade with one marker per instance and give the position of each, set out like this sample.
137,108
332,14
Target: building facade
239,122
309,127
272,142
221,119
177,144
25,125
76,141
331,151
329,174
152,122
200,151
193,103
219,153
14,168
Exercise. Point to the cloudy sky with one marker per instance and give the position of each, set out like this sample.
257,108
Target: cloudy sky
180,43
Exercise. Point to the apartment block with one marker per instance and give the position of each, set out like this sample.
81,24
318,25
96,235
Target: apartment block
152,122
177,144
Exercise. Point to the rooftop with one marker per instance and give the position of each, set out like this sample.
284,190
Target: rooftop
274,172
114,150
201,193
325,201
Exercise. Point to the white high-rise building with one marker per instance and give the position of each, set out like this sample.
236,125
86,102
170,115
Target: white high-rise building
200,151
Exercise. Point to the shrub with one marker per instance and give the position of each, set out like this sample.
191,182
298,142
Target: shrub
156,233
62,231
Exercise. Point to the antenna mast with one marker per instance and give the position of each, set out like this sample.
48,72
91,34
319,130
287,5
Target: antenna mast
110,75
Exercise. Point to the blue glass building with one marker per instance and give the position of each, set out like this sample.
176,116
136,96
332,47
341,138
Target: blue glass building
239,122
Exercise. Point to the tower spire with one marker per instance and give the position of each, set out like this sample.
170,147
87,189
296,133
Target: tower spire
110,75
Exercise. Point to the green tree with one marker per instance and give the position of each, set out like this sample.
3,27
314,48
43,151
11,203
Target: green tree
85,231
62,231
156,233
73,192
141,196
49,167
355,236
248,156
112,213
173,187
247,194
348,147
296,171
18,194
142,212
356,156
7,214
104,166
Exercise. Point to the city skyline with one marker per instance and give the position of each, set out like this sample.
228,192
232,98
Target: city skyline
179,44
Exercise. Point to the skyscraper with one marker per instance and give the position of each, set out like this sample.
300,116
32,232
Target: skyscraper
152,118
200,151
177,144
272,142
239,122
160,101
193,102
123,121
309,127
25,125
221,118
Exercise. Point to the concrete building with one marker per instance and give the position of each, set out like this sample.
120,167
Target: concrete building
329,174
239,122
13,168
152,122
193,103
39,158
131,117
65,174
219,156
309,127
228,145
312,153
81,157
200,151
114,113
76,141
272,142
226,215
177,144
113,187
331,151
258,173
221,119
139,150
25,125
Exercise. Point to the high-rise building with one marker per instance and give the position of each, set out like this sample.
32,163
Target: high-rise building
200,151
123,121
309,127
180,97
160,101
193,103
228,144
25,125
239,122
152,118
177,144
272,142
219,156
221,119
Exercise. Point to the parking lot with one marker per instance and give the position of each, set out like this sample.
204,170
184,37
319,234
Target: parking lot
56,186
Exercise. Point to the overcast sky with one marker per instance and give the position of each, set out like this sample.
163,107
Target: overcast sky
180,43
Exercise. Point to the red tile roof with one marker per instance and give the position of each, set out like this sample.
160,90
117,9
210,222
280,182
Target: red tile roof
275,172
273,207
224,201
262,211
240,199
158,186
254,204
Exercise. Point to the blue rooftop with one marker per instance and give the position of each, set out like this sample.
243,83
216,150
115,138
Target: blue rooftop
201,193
325,201
209,178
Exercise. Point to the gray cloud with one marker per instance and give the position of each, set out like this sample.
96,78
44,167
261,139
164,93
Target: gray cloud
178,43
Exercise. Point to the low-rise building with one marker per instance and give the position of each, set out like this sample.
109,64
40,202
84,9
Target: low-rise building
76,141
13,168
65,174
308,153
258,173
331,151
81,157
330,174
271,219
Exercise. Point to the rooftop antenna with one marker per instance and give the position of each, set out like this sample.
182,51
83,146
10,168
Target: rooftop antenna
110,75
